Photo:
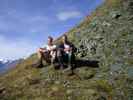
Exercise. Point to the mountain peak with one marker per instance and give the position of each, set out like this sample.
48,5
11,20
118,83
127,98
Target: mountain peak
5,60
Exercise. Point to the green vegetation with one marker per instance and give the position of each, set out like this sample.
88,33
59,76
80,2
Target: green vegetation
106,36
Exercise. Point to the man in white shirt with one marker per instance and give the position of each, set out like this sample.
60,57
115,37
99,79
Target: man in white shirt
48,53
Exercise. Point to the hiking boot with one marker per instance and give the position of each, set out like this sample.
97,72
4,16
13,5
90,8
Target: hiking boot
37,65
40,65
56,66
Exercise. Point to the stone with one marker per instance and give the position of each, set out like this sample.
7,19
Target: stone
69,91
57,82
2,89
91,91
115,14
130,73
55,88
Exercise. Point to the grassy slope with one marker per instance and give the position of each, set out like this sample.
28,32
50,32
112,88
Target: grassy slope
113,40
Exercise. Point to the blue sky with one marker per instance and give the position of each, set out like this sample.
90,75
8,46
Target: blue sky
26,24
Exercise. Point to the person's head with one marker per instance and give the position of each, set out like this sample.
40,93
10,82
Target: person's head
50,40
64,39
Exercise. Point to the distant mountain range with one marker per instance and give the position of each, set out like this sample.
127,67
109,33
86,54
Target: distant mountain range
7,64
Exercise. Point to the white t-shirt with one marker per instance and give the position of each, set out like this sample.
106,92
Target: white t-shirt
66,46
51,47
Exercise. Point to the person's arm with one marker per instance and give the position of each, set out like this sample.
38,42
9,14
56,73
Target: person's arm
60,47
70,48
43,49
53,48
73,48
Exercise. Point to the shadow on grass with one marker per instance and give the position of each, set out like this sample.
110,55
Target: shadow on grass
80,63
83,63
86,63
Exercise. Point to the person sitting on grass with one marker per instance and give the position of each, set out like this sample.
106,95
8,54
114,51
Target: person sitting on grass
48,53
65,53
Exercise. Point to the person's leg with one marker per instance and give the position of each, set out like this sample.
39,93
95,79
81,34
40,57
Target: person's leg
53,57
40,58
60,58
43,56
71,61
47,57
39,54
69,58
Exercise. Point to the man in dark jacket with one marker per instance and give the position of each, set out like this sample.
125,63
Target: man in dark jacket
65,53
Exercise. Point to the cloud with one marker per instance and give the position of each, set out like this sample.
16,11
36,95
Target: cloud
66,15
16,49
20,22
23,29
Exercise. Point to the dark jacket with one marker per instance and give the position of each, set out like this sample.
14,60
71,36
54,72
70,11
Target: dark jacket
74,49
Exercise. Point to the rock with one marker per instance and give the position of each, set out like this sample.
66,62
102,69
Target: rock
34,81
91,92
57,82
115,14
66,84
2,89
106,24
70,91
116,67
130,73
85,73
55,88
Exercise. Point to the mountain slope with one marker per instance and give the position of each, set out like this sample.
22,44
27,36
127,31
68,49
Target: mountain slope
106,36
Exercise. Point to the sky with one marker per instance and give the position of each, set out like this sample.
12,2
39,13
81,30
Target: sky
26,24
